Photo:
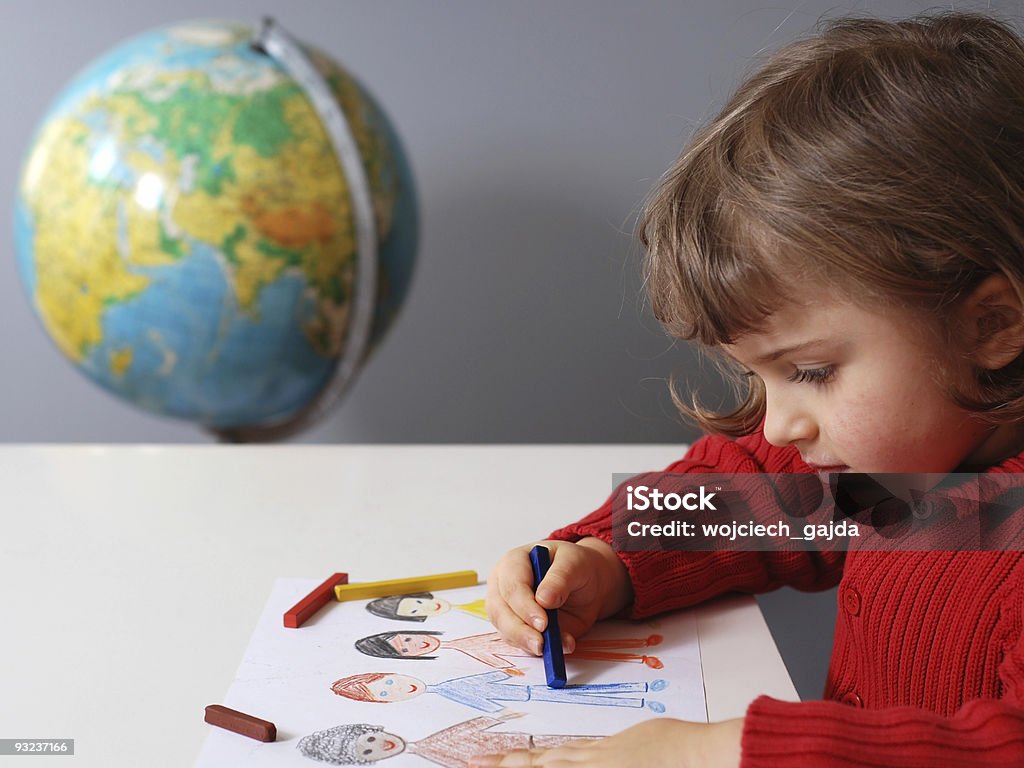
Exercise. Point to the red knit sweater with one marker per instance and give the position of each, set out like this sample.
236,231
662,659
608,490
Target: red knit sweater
929,648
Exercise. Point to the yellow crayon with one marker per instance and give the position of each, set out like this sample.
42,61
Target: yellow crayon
391,587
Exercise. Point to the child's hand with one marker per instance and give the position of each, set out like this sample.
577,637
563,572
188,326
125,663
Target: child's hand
586,582
659,743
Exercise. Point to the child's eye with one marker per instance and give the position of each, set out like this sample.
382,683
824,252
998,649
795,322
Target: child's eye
812,375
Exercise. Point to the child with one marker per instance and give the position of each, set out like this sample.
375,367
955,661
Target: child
847,236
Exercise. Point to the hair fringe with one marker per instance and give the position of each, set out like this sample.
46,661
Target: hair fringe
884,160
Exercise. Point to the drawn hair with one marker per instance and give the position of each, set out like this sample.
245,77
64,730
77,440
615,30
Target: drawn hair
387,607
357,687
338,745
879,159
379,645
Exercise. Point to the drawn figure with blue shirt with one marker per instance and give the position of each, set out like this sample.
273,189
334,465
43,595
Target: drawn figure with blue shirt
485,690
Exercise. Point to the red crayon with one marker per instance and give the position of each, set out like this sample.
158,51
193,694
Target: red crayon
301,612
239,722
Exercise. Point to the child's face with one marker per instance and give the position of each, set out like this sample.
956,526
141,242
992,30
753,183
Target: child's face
860,392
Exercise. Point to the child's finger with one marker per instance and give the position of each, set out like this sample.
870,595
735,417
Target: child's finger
572,627
508,622
563,578
516,590
513,630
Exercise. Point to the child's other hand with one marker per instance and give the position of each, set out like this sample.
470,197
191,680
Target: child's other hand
586,582
659,743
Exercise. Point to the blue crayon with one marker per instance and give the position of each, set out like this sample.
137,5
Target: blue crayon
554,660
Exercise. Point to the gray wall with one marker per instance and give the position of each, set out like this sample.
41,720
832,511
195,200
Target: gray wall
535,129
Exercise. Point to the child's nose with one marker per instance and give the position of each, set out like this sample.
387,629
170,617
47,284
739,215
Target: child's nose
787,422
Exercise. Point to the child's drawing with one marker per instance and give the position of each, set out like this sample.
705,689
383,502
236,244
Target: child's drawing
417,606
470,701
490,649
485,690
363,744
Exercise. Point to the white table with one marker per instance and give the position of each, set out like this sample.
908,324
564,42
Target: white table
132,576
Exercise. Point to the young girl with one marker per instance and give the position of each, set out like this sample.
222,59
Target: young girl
847,237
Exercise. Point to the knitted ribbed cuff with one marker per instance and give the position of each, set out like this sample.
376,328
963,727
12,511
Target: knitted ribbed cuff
827,734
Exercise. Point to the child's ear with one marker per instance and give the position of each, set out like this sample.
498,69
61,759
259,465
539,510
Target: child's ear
993,318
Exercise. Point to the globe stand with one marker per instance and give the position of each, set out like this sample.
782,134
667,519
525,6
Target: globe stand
275,42
269,433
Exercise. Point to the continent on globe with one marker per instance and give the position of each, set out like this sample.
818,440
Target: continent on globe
186,232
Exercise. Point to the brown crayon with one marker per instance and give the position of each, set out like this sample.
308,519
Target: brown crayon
239,722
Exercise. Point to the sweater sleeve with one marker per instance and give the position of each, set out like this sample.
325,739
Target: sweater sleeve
983,733
665,580
827,734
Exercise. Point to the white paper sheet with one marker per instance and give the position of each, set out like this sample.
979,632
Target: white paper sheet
286,677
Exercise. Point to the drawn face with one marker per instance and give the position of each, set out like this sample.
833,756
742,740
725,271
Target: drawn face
379,745
414,645
396,688
422,606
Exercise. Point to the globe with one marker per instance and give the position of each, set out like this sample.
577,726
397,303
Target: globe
188,234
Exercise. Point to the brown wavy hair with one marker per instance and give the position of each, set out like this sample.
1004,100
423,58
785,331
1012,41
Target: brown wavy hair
883,159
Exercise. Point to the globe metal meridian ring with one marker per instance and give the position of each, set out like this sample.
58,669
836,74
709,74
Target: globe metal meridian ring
273,40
